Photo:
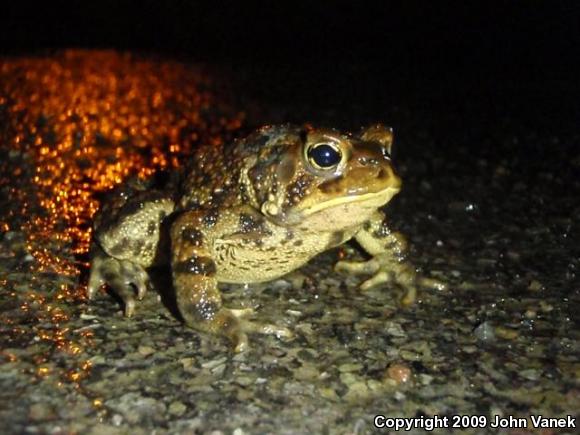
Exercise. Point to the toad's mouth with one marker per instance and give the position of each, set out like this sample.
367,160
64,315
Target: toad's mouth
371,200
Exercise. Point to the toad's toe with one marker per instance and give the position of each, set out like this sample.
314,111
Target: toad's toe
126,279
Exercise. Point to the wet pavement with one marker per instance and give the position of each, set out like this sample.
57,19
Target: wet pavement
490,205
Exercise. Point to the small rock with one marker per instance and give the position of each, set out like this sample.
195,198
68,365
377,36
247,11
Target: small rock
359,427
409,355
350,367
506,333
145,350
485,332
136,408
535,286
97,360
399,396
348,378
245,381
357,391
486,262
308,372
530,374
399,372
307,355
78,408
177,408
296,279
104,429
395,329
188,365
375,386
41,412
281,285
328,393
193,425
214,363
513,255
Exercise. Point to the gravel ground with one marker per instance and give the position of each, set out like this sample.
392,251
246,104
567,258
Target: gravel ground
490,206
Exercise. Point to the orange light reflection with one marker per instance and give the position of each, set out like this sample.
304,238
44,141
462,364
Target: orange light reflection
80,123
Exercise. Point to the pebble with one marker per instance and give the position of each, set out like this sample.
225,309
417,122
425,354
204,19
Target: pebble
425,379
350,367
145,350
41,412
245,381
105,429
357,391
281,285
177,408
328,393
530,374
409,355
506,333
399,372
395,329
535,286
308,372
296,279
136,408
399,396
546,307
212,364
485,332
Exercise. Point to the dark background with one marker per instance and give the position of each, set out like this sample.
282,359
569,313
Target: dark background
479,39
486,62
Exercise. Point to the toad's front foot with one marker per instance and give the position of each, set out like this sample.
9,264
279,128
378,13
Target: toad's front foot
125,278
386,270
388,265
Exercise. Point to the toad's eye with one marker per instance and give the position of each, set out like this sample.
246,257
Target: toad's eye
324,156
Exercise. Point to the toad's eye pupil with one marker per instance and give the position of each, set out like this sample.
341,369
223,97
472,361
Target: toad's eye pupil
324,155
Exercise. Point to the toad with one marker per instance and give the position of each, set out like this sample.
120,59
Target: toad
250,212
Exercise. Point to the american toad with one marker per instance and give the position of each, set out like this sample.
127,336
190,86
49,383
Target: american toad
250,212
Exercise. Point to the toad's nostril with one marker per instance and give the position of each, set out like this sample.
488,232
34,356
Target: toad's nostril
386,151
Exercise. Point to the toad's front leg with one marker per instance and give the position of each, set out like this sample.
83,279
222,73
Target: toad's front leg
388,263
196,285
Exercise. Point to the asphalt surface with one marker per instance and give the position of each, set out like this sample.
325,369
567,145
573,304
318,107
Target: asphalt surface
490,205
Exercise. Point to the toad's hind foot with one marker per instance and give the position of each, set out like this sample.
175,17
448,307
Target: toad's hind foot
232,324
126,279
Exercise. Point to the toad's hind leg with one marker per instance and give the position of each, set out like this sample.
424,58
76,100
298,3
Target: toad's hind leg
195,282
